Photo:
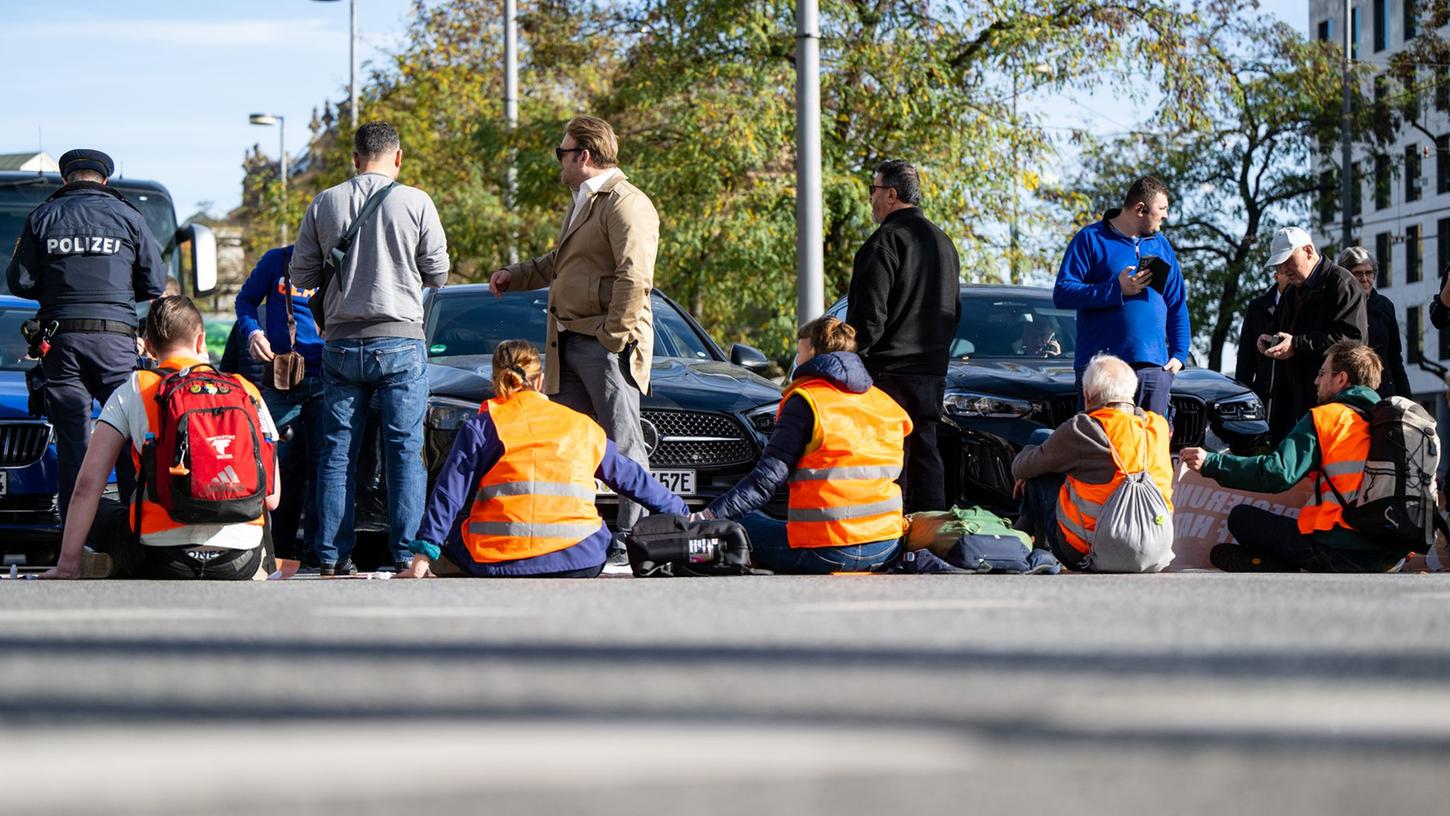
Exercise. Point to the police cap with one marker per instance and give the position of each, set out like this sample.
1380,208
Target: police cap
74,160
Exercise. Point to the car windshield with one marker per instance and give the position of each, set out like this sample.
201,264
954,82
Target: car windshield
13,347
463,328
1014,325
17,200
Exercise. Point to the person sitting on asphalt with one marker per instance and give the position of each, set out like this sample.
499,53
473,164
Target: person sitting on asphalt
1331,442
515,497
1065,480
838,441
176,336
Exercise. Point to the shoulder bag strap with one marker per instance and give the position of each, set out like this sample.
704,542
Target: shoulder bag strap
344,245
291,317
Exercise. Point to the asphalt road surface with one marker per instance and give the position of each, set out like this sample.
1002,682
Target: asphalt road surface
1184,693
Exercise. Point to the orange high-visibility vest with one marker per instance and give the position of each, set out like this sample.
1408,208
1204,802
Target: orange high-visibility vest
539,497
154,518
843,491
1141,444
1343,447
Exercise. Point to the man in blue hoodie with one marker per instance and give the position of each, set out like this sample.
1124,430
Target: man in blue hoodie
1128,304
300,407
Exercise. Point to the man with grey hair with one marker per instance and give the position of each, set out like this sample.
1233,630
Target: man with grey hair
1066,479
903,303
373,349
1383,327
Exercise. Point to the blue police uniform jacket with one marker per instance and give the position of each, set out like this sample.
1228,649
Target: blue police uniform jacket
86,254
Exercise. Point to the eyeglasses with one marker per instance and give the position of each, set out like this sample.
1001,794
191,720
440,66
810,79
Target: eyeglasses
872,188
559,152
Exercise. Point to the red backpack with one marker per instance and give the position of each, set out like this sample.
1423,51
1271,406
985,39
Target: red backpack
206,461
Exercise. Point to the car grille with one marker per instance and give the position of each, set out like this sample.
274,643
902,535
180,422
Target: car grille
1190,419
694,439
23,443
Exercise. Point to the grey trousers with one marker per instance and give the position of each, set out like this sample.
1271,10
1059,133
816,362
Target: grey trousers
592,382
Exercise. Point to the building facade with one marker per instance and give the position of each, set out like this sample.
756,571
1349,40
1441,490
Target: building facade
1400,205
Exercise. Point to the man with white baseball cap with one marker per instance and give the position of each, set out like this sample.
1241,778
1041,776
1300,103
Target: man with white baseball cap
1322,306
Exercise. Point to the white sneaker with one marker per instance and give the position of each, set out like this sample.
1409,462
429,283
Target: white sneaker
617,563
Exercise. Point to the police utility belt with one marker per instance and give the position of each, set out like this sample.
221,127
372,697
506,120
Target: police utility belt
82,326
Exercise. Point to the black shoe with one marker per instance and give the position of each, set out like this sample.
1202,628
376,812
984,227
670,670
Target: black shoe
1234,558
345,568
617,562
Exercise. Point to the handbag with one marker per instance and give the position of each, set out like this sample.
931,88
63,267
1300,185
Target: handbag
334,260
289,367
670,546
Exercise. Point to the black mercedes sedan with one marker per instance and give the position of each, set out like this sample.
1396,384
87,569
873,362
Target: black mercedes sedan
705,420
1011,373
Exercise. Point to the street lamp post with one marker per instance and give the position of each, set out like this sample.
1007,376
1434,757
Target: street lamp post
810,249
268,119
351,59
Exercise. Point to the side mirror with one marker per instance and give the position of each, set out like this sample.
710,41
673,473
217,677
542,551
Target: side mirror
198,257
749,358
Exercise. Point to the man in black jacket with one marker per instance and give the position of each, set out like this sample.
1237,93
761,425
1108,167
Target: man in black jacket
1322,306
904,304
1384,328
1252,368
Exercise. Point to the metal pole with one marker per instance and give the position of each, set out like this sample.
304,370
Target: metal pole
810,260
352,61
1346,161
1013,242
282,143
511,106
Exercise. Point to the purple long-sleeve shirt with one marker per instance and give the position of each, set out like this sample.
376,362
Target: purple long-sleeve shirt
476,449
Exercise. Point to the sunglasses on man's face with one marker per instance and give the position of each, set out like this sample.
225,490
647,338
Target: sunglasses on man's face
560,152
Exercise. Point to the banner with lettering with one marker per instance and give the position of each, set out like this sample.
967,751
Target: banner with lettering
1200,514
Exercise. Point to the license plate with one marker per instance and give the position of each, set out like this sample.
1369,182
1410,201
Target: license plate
678,482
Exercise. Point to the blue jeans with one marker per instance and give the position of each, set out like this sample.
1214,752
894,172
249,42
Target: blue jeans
394,370
776,555
298,461
1039,519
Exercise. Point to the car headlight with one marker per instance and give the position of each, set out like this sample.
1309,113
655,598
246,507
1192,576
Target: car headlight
1244,407
762,419
974,404
446,414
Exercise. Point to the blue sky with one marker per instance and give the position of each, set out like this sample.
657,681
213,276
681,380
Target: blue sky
165,86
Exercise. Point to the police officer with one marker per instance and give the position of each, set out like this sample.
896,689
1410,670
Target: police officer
87,256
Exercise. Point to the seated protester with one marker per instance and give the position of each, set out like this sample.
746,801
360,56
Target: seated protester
1330,442
515,497
176,337
1065,481
839,441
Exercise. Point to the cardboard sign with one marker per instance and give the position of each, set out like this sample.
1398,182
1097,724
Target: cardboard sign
1200,513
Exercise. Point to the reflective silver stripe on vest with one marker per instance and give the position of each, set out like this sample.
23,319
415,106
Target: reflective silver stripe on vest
1346,468
519,529
573,491
843,513
1085,506
1072,527
864,472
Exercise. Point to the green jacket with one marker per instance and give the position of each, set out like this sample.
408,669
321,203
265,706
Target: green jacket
1296,457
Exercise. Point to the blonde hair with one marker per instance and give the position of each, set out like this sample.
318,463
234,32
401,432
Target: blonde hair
596,136
1356,360
828,334
515,365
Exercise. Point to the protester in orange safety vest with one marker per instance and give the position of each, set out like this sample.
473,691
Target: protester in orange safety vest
1065,480
515,497
1330,442
839,442
165,548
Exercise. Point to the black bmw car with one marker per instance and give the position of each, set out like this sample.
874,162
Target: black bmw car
705,420
1011,373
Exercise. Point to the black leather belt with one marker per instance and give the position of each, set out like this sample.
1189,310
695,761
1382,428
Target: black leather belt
81,326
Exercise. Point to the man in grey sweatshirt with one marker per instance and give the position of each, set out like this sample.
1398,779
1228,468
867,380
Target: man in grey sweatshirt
373,338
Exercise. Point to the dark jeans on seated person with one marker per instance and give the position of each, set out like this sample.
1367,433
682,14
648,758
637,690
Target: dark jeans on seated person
776,555
111,534
1276,540
1039,519
458,554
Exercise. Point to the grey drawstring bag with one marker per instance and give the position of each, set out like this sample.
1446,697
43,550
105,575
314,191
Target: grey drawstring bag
1135,528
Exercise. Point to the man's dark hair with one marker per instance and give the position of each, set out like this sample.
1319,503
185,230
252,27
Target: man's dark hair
172,321
901,176
1144,190
374,140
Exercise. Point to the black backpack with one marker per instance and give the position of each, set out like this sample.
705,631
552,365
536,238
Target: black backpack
1395,504
669,546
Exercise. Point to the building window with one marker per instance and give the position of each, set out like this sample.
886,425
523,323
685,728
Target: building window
1324,31
1414,349
1354,34
1442,244
1412,173
1381,19
1442,164
1386,278
1412,19
1328,194
1381,182
1412,253
1442,91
